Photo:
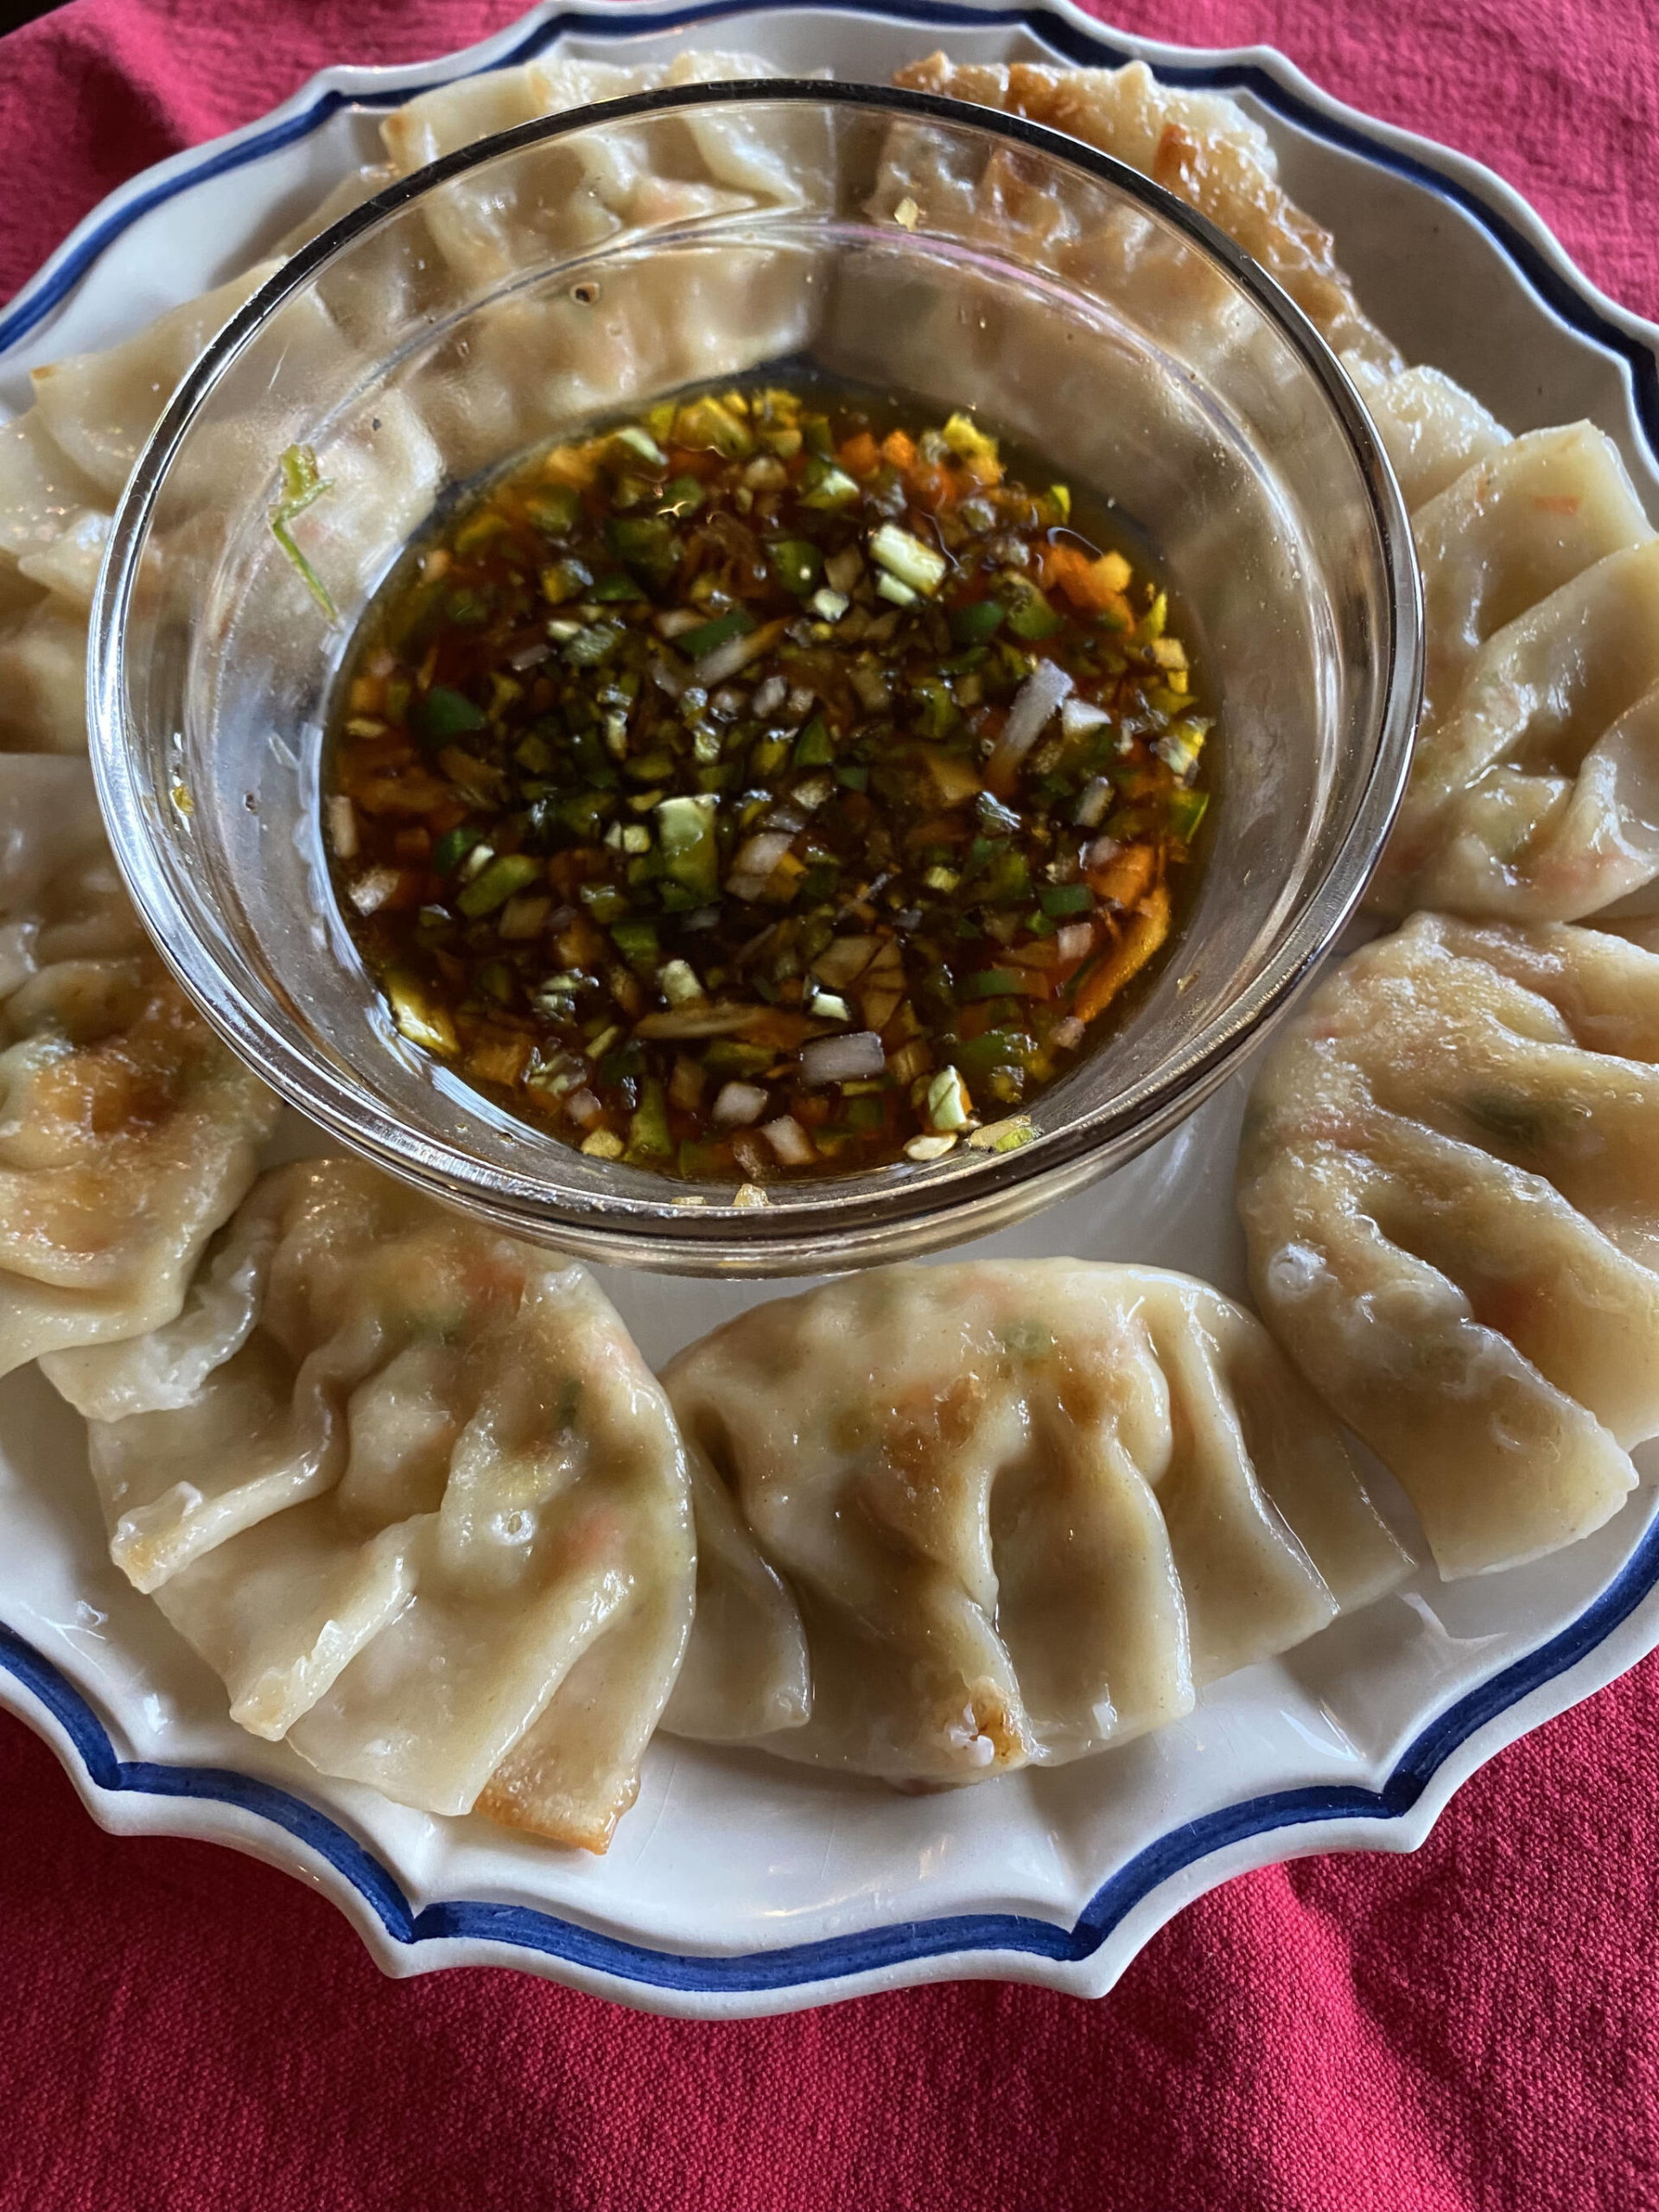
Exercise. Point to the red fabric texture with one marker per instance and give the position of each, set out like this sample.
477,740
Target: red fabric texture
1473,2027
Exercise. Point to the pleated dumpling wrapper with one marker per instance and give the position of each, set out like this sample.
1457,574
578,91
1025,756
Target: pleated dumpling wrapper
408,1487
1201,146
956,1520
1534,785
128,1132
1450,1185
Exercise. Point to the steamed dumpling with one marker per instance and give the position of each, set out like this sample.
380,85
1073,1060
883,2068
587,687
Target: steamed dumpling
1450,1185
409,1489
1432,429
1201,146
1534,786
63,466
956,1520
128,1133
576,194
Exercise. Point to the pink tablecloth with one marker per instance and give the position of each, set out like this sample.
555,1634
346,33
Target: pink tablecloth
1476,2026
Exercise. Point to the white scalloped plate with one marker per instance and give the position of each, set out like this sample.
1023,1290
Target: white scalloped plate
739,1884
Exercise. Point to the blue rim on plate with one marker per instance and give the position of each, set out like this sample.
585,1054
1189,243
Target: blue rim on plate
837,1958
843,1958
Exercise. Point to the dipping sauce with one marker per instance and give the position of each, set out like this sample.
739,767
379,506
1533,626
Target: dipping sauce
770,785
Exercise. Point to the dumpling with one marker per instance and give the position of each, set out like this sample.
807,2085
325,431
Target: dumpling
1534,787
1201,146
128,1133
1432,429
574,195
99,409
956,1520
409,1489
63,466
1449,1180
43,678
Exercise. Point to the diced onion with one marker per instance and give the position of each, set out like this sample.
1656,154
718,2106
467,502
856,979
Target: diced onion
1097,797
1080,718
372,889
342,826
738,1104
1073,942
1035,703
843,1059
755,861
789,1141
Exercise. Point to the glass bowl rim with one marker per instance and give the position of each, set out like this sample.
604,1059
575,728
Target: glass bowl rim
854,1212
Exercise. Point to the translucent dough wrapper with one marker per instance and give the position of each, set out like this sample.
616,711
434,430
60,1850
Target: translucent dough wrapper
957,1520
1534,786
409,1489
1450,1185
1201,146
128,1133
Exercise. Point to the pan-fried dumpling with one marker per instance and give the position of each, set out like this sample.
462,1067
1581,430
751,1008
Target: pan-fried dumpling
1450,1185
1534,786
409,1489
128,1133
1201,146
956,1520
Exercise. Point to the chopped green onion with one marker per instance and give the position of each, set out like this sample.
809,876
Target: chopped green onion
635,939
1066,898
703,639
444,713
796,563
991,983
690,851
648,1131
301,486
681,497
1030,616
557,509
634,438
978,623
906,557
453,848
509,873
827,487
1186,812
814,747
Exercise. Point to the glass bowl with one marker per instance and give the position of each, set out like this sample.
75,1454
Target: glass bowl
590,263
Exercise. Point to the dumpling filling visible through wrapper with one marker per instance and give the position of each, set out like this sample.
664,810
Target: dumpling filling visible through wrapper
409,1489
956,1520
1449,1179
128,1133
